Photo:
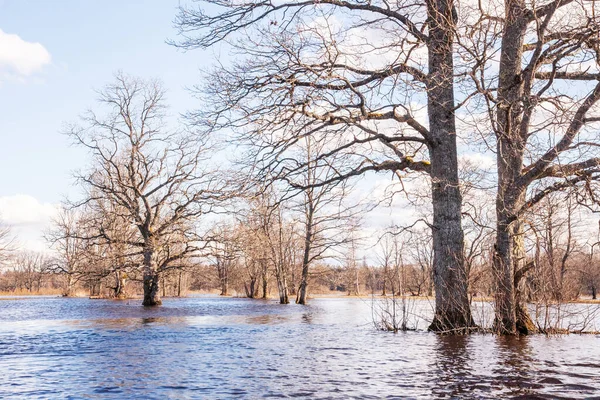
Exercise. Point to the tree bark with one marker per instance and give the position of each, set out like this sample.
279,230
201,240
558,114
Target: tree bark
452,308
509,259
302,291
151,279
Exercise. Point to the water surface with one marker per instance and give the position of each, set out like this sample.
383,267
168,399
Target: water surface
205,347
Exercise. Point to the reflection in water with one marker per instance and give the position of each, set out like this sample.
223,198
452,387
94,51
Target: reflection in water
452,367
515,368
307,318
238,348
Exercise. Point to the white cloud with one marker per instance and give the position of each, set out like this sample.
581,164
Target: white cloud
23,209
29,219
19,58
482,161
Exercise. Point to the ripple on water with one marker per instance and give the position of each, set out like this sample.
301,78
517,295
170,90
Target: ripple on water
238,348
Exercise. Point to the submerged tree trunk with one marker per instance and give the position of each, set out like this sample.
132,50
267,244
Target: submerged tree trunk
509,259
302,289
282,286
452,308
120,279
151,279
510,269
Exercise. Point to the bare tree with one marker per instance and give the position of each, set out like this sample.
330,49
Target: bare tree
326,217
306,72
149,174
7,242
226,254
542,112
71,255
31,268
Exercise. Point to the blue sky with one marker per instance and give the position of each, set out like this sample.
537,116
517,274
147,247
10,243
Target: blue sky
62,51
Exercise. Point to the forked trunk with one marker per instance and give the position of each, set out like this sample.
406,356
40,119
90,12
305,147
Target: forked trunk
251,288
283,290
509,258
452,308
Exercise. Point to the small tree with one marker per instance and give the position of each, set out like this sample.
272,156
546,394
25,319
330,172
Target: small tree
71,258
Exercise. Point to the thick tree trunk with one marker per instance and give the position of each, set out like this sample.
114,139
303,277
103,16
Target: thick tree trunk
509,260
151,279
452,309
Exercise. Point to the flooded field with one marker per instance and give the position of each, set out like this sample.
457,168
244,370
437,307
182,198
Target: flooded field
206,347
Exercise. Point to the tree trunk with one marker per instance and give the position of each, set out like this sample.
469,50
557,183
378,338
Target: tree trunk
151,279
120,279
224,287
70,284
179,283
302,291
452,308
385,277
265,284
252,289
282,286
509,259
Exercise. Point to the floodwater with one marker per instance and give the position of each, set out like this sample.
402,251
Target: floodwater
213,348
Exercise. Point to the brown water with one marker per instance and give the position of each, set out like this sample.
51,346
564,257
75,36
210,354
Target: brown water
199,348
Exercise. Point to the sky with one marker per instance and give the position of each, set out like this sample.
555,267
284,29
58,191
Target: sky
53,56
